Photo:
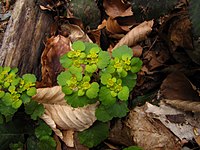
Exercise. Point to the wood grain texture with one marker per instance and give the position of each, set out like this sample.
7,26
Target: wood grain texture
24,37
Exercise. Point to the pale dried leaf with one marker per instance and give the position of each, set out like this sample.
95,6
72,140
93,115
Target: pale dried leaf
150,133
185,105
61,117
137,34
53,95
68,137
75,33
176,120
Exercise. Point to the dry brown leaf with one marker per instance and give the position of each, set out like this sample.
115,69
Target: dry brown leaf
75,33
137,50
62,117
51,67
113,27
178,92
115,8
176,86
186,105
149,133
137,34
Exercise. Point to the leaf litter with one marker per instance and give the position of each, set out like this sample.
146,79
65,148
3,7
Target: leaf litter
170,69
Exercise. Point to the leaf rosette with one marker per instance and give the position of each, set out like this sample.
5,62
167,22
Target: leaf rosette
14,91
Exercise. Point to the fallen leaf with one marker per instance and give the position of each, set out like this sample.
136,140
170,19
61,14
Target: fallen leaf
173,90
137,34
115,8
51,67
137,50
179,122
177,87
113,27
62,117
149,133
75,33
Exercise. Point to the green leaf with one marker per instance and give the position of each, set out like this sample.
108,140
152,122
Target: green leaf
104,78
136,68
122,50
129,80
7,99
42,130
15,81
78,45
16,104
63,77
7,111
124,93
25,98
31,92
16,146
94,135
119,109
135,60
133,148
2,93
89,46
95,49
77,72
102,114
76,101
47,143
29,78
103,59
65,61
66,90
7,69
14,70
34,109
106,113
92,92
91,68
105,96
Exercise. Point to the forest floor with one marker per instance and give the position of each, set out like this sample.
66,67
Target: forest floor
165,102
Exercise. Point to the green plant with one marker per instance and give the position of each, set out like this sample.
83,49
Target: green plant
94,75
15,91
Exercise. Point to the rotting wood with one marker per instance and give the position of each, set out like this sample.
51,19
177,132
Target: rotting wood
24,37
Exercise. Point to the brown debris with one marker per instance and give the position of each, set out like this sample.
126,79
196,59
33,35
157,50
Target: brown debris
115,8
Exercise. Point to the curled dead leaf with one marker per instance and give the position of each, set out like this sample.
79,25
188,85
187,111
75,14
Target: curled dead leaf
62,117
75,33
113,27
51,67
137,34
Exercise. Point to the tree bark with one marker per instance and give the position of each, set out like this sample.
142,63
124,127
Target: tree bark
24,37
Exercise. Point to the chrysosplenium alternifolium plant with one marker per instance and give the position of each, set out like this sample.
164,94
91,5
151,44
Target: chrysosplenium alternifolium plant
14,91
94,75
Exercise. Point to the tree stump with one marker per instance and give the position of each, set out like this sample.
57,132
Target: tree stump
23,41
